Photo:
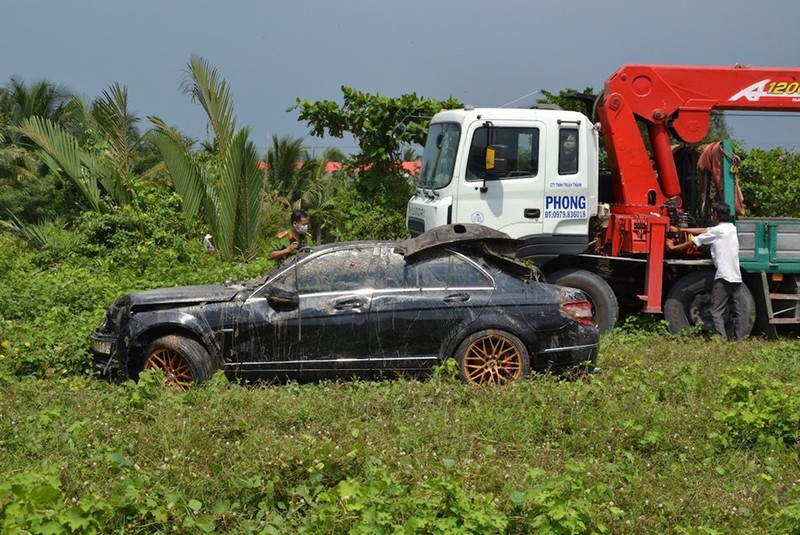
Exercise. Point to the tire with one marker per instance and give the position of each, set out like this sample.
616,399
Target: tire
604,302
688,304
492,356
182,360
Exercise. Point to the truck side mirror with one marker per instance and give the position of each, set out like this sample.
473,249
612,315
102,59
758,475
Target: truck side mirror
496,160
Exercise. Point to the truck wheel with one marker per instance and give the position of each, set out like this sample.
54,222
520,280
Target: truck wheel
492,356
604,303
688,304
181,360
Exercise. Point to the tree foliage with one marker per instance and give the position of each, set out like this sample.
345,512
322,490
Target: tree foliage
61,155
770,182
371,120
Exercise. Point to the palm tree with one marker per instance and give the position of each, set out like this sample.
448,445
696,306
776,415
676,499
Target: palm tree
18,102
41,99
228,189
322,195
108,161
286,168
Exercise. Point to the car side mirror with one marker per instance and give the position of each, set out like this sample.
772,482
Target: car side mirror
283,297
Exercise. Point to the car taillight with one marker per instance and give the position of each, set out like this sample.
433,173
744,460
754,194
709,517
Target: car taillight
580,311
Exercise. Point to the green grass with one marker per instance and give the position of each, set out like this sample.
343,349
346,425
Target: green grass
675,435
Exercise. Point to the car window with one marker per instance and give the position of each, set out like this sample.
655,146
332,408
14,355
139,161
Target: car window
438,269
464,274
337,271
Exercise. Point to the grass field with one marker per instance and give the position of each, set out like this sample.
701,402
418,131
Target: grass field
675,435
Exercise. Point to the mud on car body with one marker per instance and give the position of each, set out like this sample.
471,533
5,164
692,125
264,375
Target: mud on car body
359,308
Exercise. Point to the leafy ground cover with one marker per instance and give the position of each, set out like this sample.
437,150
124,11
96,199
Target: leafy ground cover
675,434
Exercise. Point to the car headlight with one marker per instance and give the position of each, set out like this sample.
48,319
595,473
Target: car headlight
102,346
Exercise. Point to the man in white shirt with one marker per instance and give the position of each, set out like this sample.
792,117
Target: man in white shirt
727,288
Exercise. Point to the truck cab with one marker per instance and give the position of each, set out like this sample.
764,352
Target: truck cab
531,173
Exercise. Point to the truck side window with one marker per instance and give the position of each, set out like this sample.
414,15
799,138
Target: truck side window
568,151
522,155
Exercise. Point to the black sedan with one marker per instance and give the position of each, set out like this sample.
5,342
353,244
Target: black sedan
359,309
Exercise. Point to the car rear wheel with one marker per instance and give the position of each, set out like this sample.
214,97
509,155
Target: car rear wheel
183,361
492,356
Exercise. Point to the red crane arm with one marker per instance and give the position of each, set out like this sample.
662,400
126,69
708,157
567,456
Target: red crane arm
681,98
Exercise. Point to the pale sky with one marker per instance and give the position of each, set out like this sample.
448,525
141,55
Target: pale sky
484,54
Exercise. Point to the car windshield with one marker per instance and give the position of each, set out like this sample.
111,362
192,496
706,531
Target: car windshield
439,156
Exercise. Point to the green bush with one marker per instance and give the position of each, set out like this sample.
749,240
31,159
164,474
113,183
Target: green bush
36,201
32,502
51,299
759,409
565,504
770,182
370,220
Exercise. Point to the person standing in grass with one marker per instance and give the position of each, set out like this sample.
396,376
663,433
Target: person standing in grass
727,292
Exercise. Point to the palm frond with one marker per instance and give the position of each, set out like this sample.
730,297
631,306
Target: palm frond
205,85
228,197
186,173
118,125
64,155
110,178
40,98
31,234
77,117
250,193
286,160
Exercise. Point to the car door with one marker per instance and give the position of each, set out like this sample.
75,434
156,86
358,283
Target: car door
418,304
325,331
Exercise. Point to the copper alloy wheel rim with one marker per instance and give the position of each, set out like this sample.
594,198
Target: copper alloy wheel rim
174,367
492,359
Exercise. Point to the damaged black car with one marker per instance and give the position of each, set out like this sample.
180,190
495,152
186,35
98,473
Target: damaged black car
359,309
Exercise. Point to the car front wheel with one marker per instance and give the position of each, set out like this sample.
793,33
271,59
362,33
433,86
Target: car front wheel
183,361
492,356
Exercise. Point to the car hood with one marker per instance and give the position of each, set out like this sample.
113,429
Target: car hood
183,295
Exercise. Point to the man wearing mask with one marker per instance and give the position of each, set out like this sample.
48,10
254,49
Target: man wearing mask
287,242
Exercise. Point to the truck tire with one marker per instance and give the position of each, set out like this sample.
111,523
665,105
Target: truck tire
604,301
182,360
688,304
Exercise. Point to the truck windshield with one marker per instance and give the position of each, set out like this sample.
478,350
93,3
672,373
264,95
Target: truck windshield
439,156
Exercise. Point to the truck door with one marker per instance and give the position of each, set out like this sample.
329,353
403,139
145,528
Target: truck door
514,201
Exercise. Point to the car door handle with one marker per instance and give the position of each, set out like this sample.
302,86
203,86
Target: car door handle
456,298
349,304
532,213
